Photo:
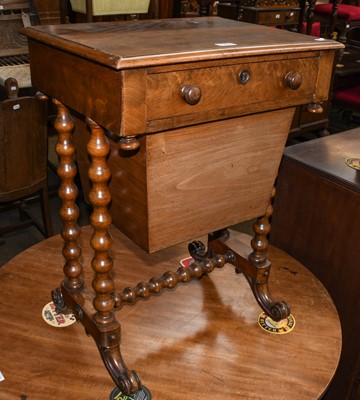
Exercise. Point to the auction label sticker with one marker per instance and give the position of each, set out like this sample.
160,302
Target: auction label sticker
56,319
142,394
280,328
227,44
186,262
353,163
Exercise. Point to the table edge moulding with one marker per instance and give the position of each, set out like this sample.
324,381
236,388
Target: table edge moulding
188,107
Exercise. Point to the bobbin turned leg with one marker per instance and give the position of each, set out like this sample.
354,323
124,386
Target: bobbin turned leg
259,242
69,211
259,285
104,319
251,262
96,316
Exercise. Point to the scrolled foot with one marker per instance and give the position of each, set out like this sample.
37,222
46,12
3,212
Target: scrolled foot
197,250
127,381
257,276
58,300
276,310
279,311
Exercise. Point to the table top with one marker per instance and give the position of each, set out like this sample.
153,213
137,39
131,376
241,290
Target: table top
327,156
150,42
199,341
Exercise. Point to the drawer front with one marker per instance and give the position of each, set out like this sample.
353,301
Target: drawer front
218,92
271,17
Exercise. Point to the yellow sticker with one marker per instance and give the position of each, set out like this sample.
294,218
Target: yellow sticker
353,163
279,328
142,394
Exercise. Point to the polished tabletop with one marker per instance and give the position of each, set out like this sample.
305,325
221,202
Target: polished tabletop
155,42
202,342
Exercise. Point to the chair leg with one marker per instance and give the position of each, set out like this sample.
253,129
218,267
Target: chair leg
46,212
24,216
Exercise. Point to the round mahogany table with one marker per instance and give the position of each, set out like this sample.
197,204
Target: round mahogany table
199,341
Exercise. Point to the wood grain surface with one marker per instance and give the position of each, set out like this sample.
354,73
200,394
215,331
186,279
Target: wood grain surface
213,166
202,342
128,77
167,41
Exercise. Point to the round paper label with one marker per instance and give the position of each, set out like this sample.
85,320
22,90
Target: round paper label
353,163
56,319
281,327
142,394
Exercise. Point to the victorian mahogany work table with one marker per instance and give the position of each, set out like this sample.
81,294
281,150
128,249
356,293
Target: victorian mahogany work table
187,121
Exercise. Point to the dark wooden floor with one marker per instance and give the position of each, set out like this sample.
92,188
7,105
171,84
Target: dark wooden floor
201,342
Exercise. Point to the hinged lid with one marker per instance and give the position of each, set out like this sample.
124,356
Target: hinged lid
150,42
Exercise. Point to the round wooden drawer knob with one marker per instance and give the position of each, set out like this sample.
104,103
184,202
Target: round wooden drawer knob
191,94
244,77
293,80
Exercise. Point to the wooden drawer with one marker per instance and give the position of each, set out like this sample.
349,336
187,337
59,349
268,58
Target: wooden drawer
271,17
220,89
153,96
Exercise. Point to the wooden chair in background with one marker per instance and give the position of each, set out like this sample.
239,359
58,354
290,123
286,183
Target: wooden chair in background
23,123
96,8
336,18
346,94
24,157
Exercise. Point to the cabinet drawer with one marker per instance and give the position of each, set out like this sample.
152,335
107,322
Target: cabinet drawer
229,90
271,17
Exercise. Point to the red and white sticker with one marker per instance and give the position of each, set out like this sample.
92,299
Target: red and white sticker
186,262
53,318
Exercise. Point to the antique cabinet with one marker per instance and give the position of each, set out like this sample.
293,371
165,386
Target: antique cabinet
272,13
194,115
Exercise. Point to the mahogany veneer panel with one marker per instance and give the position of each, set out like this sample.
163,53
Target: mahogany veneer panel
156,188
201,342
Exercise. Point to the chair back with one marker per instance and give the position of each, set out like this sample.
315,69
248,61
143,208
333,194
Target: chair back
23,146
94,8
353,36
14,14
